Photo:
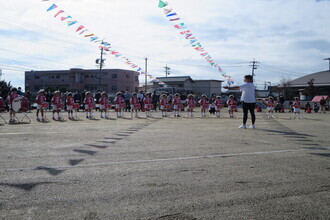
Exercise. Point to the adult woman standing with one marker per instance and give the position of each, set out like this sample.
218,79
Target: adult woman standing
248,99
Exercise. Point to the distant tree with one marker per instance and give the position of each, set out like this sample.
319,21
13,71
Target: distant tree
310,90
51,89
4,89
284,85
63,90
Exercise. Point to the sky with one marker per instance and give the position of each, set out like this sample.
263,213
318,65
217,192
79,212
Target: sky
290,38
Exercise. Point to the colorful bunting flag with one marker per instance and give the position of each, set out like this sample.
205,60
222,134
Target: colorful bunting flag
180,26
162,4
71,23
167,11
80,27
52,7
184,32
59,12
192,40
102,45
83,31
94,38
64,18
189,36
172,14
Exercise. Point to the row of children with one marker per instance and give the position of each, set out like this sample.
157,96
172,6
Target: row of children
270,103
135,104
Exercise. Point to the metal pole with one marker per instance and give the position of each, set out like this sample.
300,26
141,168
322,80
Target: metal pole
254,67
166,70
146,75
101,65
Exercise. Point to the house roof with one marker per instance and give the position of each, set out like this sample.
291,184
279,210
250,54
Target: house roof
208,80
321,79
175,79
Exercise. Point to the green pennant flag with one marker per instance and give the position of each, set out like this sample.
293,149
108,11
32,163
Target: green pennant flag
161,4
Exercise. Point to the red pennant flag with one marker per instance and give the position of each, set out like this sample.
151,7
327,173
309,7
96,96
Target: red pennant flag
79,28
59,12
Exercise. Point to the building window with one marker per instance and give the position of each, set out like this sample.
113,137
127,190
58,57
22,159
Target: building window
86,76
114,88
127,76
180,85
37,77
114,76
92,76
53,77
57,77
136,78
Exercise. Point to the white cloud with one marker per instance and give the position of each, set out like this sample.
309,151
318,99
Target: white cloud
280,34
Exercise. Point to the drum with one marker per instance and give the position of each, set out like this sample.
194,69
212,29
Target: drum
219,106
206,106
107,106
44,105
180,106
16,105
167,106
137,106
25,104
150,106
191,106
123,105
59,106
91,106
75,106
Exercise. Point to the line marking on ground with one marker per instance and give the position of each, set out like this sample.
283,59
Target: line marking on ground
158,160
37,133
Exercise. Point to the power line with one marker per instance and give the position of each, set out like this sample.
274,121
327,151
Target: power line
284,70
41,58
281,71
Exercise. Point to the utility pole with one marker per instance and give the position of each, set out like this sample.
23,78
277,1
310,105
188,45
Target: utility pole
329,62
167,70
0,74
100,62
254,66
146,75
101,65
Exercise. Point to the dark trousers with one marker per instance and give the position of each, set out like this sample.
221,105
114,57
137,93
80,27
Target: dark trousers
246,108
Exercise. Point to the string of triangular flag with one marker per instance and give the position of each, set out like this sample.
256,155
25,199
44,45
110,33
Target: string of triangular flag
184,31
83,31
